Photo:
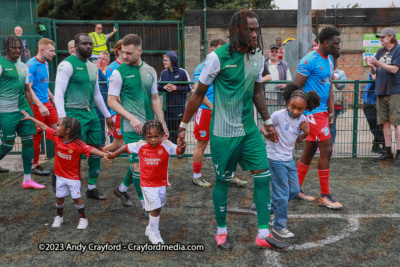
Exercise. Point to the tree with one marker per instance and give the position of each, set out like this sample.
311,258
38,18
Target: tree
137,9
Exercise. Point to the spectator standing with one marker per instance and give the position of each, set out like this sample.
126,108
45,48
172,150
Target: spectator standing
71,47
387,88
25,53
176,94
104,59
279,71
369,97
100,40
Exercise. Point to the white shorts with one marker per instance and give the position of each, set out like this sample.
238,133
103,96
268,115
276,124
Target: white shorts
67,186
154,197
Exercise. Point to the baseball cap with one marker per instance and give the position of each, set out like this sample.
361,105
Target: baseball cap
386,31
274,46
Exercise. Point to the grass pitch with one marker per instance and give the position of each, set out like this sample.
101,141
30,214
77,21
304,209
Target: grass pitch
365,233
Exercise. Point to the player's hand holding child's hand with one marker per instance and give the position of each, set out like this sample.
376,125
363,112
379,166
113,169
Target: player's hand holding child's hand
305,127
107,156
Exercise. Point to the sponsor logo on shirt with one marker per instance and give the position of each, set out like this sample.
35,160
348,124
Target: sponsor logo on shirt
9,69
287,126
152,161
63,156
130,76
230,66
79,68
325,81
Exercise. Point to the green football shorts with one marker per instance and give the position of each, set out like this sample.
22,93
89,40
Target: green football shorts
10,123
90,124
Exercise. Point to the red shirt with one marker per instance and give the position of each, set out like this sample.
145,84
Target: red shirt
280,55
153,161
67,163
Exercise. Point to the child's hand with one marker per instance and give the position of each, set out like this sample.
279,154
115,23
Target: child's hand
27,116
305,127
107,156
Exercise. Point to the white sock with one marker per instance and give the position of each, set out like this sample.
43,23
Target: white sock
122,188
143,203
34,165
263,233
222,231
153,223
27,177
196,175
91,186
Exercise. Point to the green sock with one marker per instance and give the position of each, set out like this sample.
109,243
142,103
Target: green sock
220,198
94,163
136,183
262,197
128,177
27,153
5,147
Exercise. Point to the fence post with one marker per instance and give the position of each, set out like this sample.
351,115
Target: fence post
355,117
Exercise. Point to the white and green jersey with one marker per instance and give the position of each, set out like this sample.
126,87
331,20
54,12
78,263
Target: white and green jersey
233,80
77,86
13,77
134,85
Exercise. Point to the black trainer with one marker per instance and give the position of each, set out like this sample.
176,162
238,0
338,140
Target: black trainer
53,181
38,170
397,160
376,148
384,157
3,170
95,193
124,197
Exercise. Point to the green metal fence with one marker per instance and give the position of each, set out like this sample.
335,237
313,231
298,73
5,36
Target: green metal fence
353,139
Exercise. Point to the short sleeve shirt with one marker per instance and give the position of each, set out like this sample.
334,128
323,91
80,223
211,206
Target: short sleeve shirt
39,77
319,71
210,91
387,83
67,162
289,130
153,161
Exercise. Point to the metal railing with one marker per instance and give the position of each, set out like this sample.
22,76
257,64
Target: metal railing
353,135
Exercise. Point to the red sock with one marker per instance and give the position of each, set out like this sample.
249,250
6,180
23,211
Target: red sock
302,170
37,139
197,167
324,180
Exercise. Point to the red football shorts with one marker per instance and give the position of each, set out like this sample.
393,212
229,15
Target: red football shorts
52,119
117,122
202,124
319,127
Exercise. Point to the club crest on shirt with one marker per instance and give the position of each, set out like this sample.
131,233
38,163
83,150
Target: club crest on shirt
254,64
70,151
160,152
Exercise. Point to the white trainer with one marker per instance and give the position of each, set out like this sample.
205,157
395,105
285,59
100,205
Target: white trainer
284,233
83,224
154,237
57,222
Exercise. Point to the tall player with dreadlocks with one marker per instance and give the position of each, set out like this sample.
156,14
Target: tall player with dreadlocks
235,69
15,96
67,164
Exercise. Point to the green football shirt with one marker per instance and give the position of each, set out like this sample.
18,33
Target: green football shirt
81,77
233,78
13,77
134,85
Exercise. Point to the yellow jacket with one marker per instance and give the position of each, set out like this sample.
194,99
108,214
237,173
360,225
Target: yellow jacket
99,43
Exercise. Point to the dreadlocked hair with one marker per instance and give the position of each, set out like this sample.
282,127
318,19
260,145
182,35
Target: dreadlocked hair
151,124
10,39
239,35
292,90
74,127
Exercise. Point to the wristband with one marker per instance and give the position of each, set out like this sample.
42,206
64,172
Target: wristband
183,130
183,125
268,122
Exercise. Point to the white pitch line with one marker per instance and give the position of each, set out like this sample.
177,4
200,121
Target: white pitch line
272,257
